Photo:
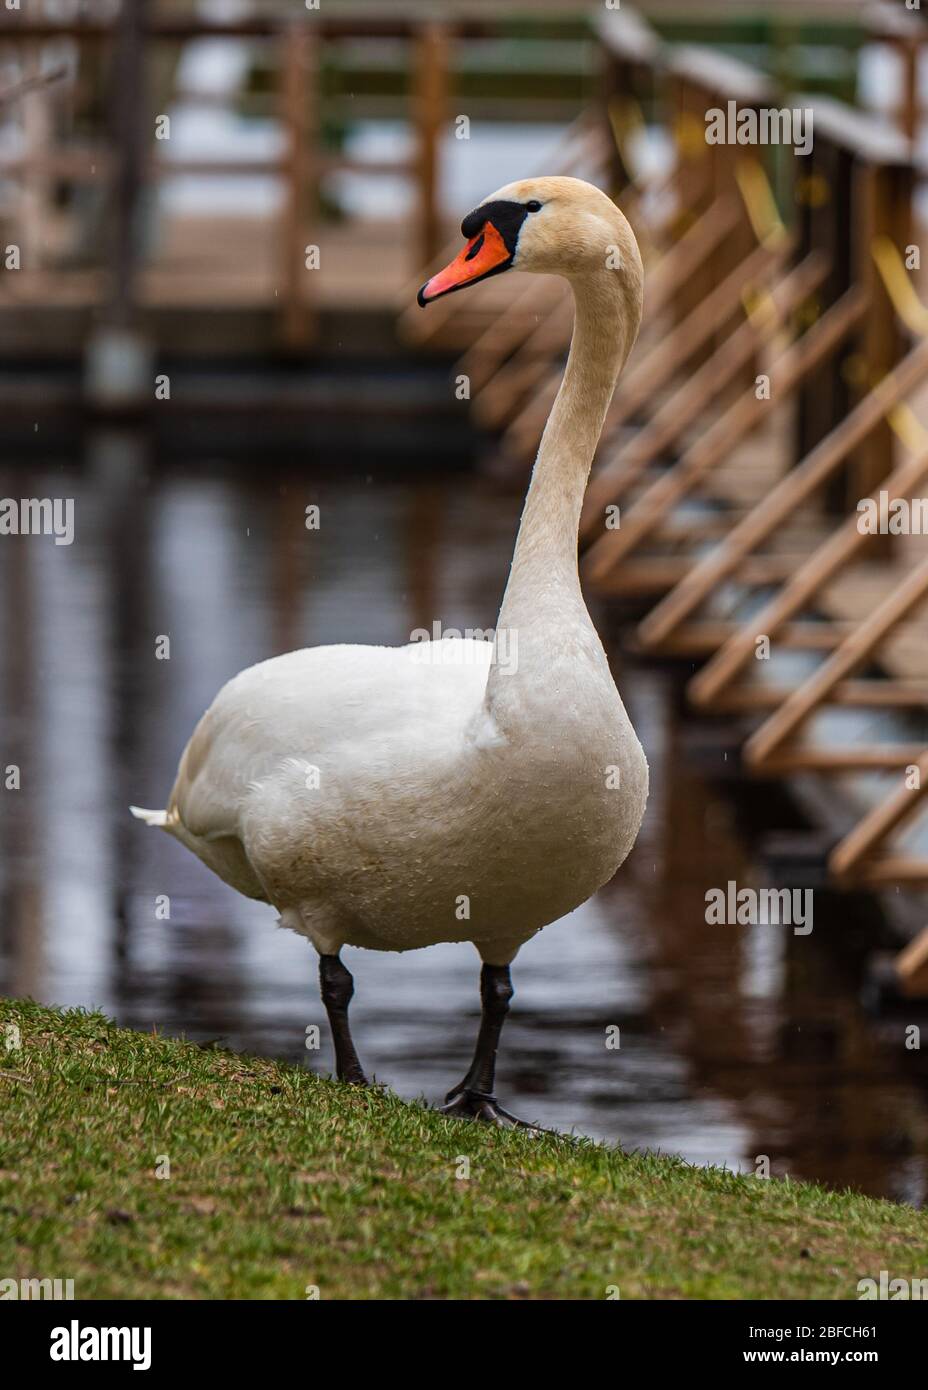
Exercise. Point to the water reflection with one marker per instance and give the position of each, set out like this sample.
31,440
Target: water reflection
734,1042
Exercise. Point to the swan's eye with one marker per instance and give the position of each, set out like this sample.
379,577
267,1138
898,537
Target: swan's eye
533,206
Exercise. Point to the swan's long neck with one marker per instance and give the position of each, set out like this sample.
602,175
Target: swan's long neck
543,593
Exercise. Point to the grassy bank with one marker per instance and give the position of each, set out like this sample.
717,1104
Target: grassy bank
279,1181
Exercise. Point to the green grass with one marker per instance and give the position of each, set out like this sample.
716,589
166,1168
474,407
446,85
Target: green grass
280,1180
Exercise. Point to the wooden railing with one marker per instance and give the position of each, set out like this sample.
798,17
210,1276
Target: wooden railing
124,159
127,162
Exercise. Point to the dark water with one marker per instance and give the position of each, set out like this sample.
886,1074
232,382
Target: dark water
735,1042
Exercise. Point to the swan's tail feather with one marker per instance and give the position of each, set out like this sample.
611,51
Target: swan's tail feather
158,818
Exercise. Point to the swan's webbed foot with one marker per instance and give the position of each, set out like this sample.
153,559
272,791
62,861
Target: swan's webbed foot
473,1098
353,1078
467,1104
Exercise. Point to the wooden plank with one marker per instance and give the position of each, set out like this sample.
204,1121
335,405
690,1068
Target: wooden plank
879,822
892,871
822,193
750,277
701,638
872,694
658,573
367,21
876,758
911,964
700,240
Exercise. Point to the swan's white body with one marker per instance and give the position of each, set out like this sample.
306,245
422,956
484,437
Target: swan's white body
395,797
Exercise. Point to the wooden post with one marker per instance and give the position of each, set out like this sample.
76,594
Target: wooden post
854,186
706,80
298,113
38,134
119,365
909,50
901,28
884,195
614,83
631,54
430,114
695,183
821,190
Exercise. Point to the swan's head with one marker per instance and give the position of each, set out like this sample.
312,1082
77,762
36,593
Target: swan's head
554,226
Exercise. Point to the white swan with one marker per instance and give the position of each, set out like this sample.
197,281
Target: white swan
456,790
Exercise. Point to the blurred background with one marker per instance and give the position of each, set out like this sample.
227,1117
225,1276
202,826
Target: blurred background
214,216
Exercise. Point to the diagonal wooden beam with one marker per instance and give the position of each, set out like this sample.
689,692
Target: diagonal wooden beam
912,963
857,647
869,833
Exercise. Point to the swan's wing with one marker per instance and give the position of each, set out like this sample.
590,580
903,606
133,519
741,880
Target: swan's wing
332,707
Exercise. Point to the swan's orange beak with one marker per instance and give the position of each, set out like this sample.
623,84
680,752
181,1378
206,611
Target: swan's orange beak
484,255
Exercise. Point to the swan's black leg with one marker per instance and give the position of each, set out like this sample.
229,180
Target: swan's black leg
337,987
473,1098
